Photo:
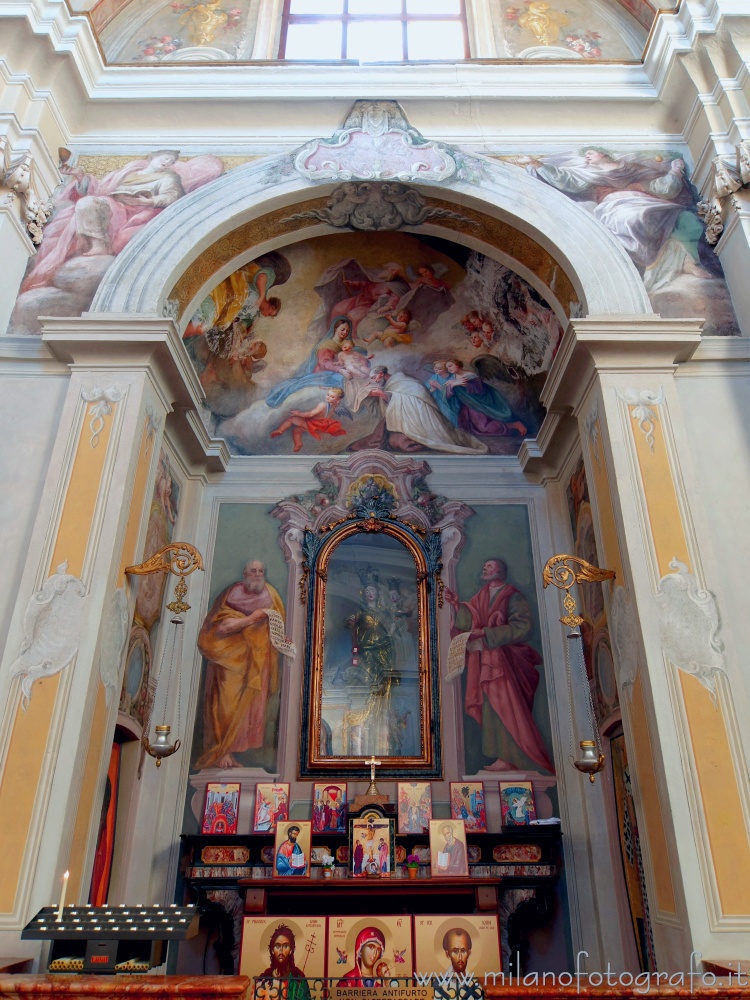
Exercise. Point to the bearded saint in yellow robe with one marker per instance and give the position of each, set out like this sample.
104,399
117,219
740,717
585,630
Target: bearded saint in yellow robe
243,668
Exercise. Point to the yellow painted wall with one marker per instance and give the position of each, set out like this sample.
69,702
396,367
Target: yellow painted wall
651,801
719,792
28,741
98,744
611,545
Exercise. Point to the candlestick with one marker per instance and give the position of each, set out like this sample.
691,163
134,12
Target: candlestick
63,890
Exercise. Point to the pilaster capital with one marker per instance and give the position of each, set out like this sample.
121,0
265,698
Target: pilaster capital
615,344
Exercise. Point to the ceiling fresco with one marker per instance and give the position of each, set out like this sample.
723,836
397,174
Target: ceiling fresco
379,340
155,31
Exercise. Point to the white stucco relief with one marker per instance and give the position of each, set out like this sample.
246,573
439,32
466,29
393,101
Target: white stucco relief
645,404
101,400
689,625
376,143
51,627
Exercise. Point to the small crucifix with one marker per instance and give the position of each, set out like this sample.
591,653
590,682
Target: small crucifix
373,789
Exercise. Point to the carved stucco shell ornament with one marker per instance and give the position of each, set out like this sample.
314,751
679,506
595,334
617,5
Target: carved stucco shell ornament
51,625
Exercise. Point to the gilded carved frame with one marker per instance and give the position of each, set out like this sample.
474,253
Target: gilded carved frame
319,548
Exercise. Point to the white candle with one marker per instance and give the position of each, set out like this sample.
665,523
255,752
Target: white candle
63,890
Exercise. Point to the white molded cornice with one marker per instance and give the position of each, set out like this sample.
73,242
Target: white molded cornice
101,343
134,341
600,344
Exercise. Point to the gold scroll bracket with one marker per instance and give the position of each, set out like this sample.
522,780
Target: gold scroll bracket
179,558
562,571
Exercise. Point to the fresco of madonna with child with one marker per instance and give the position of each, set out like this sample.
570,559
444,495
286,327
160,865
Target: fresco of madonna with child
377,340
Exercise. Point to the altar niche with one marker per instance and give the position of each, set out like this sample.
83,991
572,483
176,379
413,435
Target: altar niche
371,684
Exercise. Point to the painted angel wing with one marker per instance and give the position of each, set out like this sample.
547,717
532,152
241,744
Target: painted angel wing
488,367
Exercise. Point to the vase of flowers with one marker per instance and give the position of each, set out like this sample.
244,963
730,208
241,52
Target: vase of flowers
327,863
412,865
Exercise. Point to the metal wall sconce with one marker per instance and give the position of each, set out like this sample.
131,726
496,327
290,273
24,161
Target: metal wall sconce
181,559
562,571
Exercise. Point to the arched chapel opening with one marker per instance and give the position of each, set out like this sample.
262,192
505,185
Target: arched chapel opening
376,381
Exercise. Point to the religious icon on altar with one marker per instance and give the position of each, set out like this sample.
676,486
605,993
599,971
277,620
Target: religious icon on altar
280,953
292,849
221,809
517,803
448,854
458,945
369,951
371,846
329,807
467,803
271,806
414,806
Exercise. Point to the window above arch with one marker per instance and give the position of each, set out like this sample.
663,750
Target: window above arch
374,30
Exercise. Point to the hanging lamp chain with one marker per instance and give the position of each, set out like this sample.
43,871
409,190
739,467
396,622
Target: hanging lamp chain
180,559
563,571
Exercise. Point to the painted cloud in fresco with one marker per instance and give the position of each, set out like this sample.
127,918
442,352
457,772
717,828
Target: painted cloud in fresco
647,202
373,340
95,216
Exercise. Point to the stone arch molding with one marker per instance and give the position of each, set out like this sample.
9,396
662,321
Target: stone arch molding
605,279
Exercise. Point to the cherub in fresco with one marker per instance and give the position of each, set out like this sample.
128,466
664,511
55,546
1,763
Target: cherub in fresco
397,331
243,351
383,292
316,421
488,332
351,362
436,384
472,322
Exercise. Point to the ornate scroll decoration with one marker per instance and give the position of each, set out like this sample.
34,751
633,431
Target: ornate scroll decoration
559,572
372,496
643,402
101,400
178,558
16,182
689,625
376,142
171,309
51,626
373,207
710,215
